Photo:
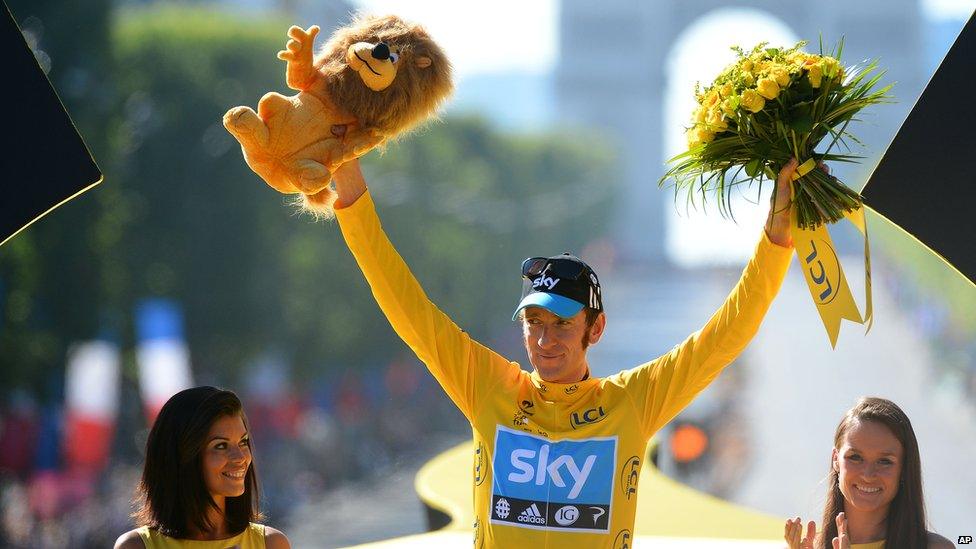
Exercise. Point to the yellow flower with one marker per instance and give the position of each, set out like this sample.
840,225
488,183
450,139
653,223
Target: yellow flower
780,75
700,114
831,67
716,121
752,101
748,79
697,135
768,88
704,135
729,105
747,65
711,99
815,74
799,59
726,90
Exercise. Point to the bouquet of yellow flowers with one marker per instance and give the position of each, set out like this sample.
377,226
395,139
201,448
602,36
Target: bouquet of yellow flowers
769,105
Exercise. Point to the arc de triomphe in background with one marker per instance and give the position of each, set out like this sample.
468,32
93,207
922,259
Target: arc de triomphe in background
612,76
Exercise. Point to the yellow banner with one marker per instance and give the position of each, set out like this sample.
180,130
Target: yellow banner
823,272
825,277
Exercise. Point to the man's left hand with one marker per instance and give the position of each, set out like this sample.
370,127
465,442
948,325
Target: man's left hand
780,204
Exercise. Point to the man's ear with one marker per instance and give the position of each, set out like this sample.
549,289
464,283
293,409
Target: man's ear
598,327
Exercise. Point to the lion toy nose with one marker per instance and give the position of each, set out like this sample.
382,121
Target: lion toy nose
381,51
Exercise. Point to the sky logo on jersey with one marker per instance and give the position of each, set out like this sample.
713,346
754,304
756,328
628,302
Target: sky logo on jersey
564,485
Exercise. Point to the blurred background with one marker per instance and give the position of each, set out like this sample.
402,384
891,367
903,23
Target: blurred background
183,268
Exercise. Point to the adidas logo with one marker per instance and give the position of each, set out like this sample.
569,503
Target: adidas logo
532,515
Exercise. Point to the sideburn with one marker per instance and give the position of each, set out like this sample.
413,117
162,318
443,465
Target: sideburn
591,316
585,341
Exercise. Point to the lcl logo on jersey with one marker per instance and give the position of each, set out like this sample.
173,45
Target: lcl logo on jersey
629,475
593,415
479,539
623,539
564,485
479,464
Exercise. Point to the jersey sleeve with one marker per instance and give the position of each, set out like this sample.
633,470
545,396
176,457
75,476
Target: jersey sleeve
464,368
661,388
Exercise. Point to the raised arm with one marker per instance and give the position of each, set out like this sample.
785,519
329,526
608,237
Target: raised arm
465,368
663,388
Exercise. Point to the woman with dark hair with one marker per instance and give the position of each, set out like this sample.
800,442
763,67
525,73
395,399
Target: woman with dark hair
874,486
199,487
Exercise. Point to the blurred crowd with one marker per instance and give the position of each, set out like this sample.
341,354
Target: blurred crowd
309,438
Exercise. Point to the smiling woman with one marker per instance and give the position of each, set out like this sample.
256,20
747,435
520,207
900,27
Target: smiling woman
874,486
199,483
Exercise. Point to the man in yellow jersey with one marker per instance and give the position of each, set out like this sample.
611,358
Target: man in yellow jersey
558,452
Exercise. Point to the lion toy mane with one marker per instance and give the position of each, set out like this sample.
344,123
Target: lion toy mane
372,81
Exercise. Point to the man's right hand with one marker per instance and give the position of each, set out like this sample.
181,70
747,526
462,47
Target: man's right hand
349,183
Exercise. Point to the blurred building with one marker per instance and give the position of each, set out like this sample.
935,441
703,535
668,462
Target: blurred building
612,75
490,95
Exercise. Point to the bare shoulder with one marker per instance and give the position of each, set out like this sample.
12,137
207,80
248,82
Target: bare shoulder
130,540
275,539
938,542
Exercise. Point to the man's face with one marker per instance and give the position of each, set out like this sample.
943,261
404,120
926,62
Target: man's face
555,344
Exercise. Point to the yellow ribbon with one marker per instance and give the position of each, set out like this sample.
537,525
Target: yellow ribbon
822,270
804,169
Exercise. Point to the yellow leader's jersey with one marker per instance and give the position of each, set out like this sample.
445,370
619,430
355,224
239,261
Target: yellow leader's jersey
556,465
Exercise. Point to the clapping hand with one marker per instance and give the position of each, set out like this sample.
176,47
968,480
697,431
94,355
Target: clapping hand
794,531
842,541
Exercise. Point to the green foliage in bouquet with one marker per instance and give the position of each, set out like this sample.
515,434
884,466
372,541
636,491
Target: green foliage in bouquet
769,105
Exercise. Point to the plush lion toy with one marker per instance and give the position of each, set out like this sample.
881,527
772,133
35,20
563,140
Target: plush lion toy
374,80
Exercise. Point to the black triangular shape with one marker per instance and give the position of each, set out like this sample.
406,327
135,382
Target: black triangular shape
44,160
926,180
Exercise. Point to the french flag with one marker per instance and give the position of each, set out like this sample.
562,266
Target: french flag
91,404
161,353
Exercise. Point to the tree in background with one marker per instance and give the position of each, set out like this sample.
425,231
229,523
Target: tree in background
181,216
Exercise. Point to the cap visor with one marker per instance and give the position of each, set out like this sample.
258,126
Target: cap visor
555,304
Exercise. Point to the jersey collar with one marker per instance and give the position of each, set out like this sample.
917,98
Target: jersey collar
562,392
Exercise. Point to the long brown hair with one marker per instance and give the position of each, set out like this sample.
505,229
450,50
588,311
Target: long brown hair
172,493
906,526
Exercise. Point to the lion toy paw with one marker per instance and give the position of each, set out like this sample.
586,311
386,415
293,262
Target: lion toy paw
373,81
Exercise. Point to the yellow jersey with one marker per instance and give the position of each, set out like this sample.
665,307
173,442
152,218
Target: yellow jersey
556,465
251,538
